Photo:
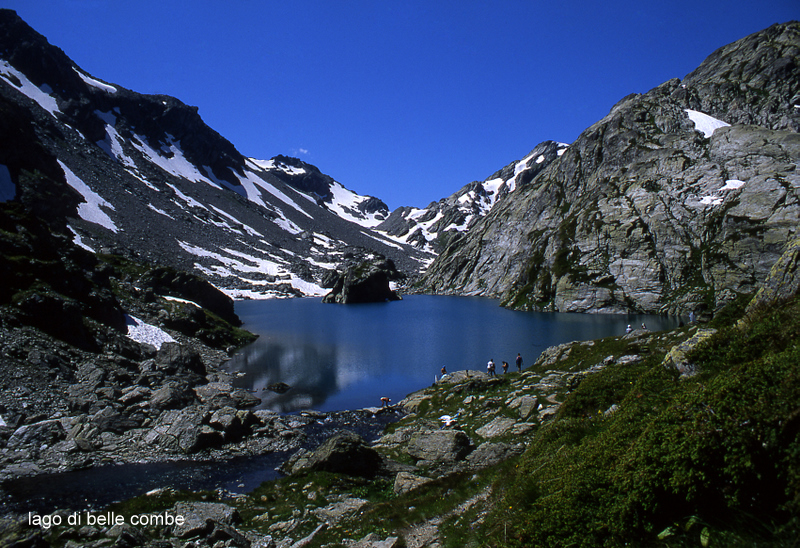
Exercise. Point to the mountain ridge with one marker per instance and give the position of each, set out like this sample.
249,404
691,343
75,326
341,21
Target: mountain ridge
659,207
117,168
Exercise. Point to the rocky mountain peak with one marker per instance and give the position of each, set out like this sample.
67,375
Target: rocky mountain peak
754,81
144,176
660,206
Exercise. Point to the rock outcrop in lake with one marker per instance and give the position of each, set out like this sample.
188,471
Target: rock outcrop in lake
677,200
365,282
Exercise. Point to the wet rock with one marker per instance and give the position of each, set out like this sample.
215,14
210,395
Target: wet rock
279,387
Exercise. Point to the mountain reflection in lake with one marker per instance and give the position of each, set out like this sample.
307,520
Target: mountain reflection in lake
338,357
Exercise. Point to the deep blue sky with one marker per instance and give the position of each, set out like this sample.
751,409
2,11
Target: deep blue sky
404,100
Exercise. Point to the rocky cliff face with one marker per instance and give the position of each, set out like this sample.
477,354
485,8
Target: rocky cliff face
677,200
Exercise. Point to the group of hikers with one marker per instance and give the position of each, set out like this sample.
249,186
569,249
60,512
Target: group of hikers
491,369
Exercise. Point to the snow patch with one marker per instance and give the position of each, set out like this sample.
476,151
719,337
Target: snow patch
178,300
704,123
77,240
90,210
172,161
345,204
191,202
270,165
711,200
145,333
732,184
28,88
95,83
246,227
159,211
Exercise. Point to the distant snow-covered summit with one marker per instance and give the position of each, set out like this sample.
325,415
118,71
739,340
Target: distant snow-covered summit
432,227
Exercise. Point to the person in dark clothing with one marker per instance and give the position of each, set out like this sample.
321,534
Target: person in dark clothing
519,363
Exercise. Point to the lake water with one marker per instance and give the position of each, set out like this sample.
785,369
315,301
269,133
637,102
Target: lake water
335,357
338,357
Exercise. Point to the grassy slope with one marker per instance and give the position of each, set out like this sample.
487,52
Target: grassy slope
711,460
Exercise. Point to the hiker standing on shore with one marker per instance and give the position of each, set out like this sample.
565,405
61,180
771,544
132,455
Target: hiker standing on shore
519,363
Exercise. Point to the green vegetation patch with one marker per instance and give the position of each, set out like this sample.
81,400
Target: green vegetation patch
712,460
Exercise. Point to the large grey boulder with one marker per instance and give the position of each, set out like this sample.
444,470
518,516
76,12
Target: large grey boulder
344,453
490,454
439,446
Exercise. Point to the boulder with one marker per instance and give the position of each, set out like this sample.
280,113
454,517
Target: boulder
527,405
676,357
372,540
439,445
171,396
333,513
406,481
179,429
200,517
782,282
41,433
497,427
174,358
222,394
490,454
344,453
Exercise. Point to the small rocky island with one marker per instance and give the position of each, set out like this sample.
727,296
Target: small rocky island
365,282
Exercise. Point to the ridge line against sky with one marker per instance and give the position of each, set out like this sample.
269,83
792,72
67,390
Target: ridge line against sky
405,101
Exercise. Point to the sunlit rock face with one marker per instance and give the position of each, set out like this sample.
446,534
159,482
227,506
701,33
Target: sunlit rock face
677,200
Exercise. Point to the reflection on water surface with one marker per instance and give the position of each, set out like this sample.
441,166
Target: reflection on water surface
348,356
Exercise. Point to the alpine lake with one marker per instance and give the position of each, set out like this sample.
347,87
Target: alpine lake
336,357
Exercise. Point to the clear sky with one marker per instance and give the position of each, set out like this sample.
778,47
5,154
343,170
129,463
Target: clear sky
403,100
